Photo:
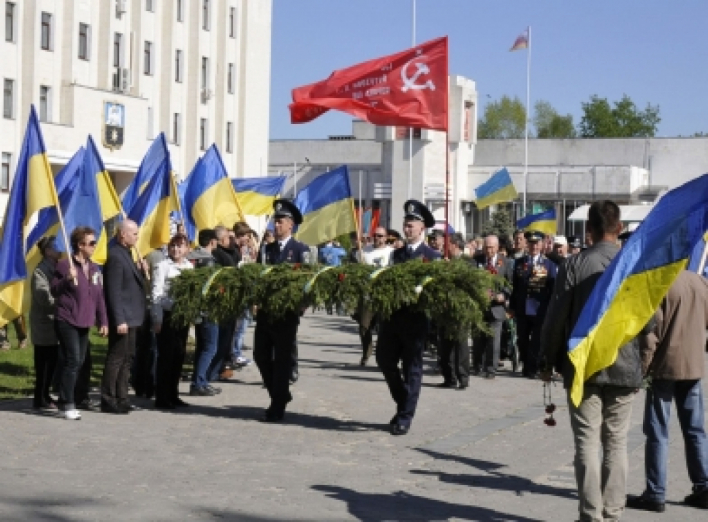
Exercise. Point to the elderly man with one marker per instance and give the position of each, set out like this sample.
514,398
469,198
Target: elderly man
125,302
486,346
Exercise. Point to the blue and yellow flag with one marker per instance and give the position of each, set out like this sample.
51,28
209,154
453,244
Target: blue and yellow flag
209,197
152,163
628,293
153,207
497,189
256,195
110,202
543,222
32,190
327,207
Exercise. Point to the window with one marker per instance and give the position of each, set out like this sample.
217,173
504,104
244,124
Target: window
117,50
203,134
180,10
229,136
8,98
9,22
232,22
230,79
44,103
150,134
46,33
147,58
205,72
84,41
176,125
178,66
5,173
149,6
205,15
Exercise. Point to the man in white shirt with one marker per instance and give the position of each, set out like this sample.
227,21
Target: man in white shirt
378,255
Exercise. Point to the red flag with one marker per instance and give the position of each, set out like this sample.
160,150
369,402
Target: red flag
407,88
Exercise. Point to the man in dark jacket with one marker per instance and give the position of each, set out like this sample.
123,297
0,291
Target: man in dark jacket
603,416
125,302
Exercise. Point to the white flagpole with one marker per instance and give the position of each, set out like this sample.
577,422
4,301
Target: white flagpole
410,129
528,101
294,179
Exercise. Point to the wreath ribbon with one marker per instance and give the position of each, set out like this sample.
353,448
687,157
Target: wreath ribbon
210,281
311,282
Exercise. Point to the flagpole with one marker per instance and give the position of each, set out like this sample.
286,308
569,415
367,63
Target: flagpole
294,179
526,133
360,220
410,129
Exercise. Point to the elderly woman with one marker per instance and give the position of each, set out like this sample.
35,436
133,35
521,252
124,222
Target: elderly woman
44,338
78,292
171,338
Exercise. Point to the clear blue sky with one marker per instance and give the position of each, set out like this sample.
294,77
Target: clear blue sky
656,51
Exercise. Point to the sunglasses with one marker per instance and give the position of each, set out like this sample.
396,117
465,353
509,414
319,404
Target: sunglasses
379,235
90,243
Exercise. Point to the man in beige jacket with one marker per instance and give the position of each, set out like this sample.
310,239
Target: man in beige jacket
675,360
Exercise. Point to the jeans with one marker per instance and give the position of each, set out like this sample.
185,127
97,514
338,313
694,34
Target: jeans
73,345
602,419
242,325
207,341
224,346
657,413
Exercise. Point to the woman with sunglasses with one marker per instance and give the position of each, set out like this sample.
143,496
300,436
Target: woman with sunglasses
78,294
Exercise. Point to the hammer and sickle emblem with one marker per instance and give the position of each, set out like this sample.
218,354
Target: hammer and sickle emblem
409,82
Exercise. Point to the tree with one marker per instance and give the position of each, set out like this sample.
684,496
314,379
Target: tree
550,124
500,224
623,120
503,119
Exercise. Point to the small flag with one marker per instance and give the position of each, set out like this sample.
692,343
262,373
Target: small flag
256,195
521,42
543,222
497,189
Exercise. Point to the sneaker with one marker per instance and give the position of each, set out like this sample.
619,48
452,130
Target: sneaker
4,346
697,499
215,389
645,504
201,392
23,344
72,415
243,361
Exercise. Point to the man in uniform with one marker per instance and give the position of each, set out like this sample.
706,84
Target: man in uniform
534,276
436,240
402,337
274,339
574,245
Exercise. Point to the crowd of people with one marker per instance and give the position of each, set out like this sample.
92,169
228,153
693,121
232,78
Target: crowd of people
547,280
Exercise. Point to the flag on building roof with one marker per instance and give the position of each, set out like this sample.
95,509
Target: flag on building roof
497,189
327,207
152,163
543,222
406,88
521,42
628,293
32,190
256,195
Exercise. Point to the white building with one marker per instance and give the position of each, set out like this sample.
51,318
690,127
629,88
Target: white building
197,70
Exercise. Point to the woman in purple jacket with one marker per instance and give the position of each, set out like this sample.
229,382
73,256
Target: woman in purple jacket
78,292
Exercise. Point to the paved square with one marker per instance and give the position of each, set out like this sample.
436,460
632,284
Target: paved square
480,454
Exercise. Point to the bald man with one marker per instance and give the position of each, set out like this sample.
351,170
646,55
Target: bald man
124,288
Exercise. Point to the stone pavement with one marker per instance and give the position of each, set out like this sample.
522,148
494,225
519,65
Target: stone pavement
481,454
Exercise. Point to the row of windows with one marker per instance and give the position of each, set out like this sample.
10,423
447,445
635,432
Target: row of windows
8,100
47,24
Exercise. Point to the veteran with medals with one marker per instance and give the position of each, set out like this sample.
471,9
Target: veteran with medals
275,338
402,337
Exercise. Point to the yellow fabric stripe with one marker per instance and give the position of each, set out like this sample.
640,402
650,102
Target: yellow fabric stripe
100,255
503,195
41,191
11,295
217,206
634,304
546,226
255,204
110,202
327,223
155,230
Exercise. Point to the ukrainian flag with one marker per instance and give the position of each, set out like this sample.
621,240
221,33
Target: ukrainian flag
209,196
543,222
256,195
152,163
628,293
32,190
497,189
152,209
327,207
110,202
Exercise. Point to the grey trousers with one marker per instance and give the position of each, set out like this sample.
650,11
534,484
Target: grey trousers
602,418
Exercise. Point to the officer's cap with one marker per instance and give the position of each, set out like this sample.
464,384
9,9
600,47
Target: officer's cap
534,235
285,208
574,242
417,211
436,233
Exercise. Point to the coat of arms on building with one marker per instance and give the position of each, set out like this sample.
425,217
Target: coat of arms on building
113,124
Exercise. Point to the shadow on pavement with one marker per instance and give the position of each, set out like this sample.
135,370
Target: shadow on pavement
404,506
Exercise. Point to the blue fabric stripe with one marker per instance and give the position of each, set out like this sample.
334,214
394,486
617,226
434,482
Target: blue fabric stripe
153,161
497,182
264,186
324,190
548,215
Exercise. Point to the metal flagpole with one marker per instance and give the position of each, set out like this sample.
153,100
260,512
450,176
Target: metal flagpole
410,129
528,101
294,179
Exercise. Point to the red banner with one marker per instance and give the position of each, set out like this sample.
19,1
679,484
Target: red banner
407,88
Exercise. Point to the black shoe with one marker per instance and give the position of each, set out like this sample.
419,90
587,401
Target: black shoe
697,500
446,385
215,389
88,405
476,372
179,403
645,504
363,361
164,405
107,407
201,392
394,420
490,375
272,417
125,407
294,376
399,429
462,387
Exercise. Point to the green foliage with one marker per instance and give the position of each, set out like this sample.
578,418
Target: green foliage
550,124
345,285
279,290
503,119
624,120
501,225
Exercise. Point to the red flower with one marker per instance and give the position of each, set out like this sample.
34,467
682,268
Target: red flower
426,260
221,289
296,266
341,277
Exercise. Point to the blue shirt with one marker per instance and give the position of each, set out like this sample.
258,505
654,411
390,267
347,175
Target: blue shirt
331,255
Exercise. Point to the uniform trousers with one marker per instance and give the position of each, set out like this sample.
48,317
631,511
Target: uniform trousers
455,359
402,339
274,351
529,341
367,323
171,349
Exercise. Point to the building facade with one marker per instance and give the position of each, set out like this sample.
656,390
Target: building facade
126,70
